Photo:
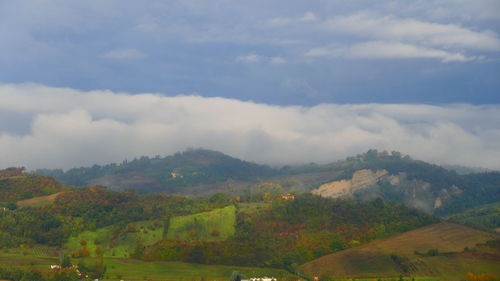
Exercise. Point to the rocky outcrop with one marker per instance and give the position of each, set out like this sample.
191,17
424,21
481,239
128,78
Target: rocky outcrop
360,180
414,193
334,189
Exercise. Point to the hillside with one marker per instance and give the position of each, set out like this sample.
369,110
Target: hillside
21,187
215,225
399,255
485,217
171,174
417,184
371,175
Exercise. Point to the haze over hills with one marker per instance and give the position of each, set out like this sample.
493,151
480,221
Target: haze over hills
370,175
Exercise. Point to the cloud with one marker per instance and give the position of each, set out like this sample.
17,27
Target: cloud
306,18
69,128
386,50
124,54
249,58
277,60
255,58
448,36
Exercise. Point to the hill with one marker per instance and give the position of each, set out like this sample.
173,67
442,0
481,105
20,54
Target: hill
20,187
484,217
371,175
171,174
417,184
399,255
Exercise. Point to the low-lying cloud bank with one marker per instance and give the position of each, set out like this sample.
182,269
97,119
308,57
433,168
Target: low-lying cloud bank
66,128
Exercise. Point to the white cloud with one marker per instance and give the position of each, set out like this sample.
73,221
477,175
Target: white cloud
277,60
386,50
249,58
306,18
448,36
124,54
72,128
255,58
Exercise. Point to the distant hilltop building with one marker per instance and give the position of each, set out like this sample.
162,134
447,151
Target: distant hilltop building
288,196
12,172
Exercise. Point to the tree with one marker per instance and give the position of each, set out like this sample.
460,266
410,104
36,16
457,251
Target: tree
32,275
197,255
65,261
235,276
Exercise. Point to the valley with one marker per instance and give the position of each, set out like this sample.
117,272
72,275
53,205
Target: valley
370,217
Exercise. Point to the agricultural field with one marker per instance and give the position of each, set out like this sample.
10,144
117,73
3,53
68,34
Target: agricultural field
116,242
131,269
38,201
215,225
399,254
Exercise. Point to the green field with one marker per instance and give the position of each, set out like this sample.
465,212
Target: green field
118,242
131,269
215,225
138,270
376,259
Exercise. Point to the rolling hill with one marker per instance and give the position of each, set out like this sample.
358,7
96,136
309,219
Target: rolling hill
367,176
27,186
436,250
171,174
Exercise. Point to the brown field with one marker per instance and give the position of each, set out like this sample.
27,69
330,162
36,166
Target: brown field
374,259
35,201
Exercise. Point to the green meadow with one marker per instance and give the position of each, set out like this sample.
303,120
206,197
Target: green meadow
117,242
215,225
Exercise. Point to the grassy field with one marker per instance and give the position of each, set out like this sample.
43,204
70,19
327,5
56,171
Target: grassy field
215,225
130,269
138,270
374,259
118,242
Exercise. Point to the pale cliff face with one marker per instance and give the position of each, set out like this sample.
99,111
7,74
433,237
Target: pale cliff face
361,179
414,193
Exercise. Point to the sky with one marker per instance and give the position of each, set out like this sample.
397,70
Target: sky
276,82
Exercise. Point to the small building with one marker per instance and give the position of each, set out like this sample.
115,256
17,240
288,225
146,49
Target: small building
12,172
288,196
263,279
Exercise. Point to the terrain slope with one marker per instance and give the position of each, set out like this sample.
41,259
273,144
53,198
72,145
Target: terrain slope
398,255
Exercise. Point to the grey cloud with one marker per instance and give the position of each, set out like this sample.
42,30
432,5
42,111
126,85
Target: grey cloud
71,128
120,54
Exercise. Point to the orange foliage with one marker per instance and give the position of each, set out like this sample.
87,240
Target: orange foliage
479,277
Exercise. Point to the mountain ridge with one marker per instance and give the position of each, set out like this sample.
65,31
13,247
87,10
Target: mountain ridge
374,174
